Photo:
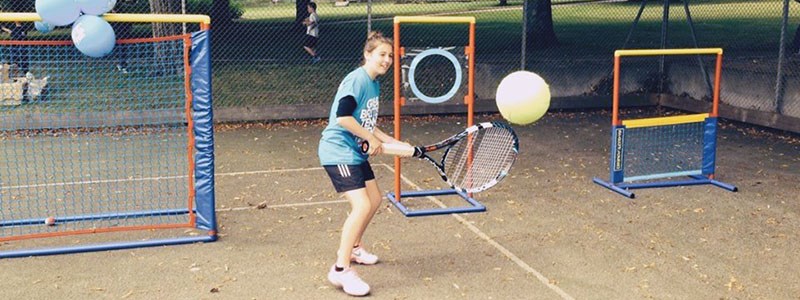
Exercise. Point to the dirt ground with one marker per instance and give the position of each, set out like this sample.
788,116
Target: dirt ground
548,232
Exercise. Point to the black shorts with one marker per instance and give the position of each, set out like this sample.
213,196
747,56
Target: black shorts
350,177
311,41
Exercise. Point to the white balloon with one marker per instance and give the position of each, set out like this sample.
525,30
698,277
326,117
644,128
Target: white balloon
58,12
93,36
96,7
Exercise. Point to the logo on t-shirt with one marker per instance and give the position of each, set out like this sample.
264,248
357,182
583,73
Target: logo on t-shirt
369,115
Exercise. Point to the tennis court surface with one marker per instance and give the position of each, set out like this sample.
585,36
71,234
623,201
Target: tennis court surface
548,232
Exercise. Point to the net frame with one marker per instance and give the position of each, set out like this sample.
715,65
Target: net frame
400,101
199,208
705,175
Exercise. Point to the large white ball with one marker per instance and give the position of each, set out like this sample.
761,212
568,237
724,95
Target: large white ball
93,36
523,97
58,12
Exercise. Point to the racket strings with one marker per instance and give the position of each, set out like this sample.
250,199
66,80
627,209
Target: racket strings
475,163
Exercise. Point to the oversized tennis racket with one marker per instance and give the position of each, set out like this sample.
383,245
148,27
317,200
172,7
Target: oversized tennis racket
473,160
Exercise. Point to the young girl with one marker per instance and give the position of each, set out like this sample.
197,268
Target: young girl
353,118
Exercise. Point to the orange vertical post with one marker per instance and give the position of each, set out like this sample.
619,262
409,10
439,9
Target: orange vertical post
615,104
471,76
187,85
397,105
398,52
717,83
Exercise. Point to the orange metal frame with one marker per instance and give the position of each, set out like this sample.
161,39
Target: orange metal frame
399,101
615,121
190,143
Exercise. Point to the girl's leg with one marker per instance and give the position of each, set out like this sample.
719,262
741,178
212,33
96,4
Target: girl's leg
360,213
375,201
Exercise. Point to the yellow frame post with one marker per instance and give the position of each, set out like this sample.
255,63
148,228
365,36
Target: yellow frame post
658,52
203,20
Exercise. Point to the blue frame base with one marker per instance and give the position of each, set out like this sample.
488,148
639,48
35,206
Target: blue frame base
107,247
210,237
623,188
475,206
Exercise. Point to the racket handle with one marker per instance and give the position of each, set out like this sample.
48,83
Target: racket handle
392,149
398,149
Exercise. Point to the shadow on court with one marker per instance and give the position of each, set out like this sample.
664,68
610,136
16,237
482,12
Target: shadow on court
548,232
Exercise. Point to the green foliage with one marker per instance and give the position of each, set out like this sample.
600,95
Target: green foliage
192,7
17,5
235,10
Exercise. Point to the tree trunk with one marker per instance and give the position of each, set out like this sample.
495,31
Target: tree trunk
539,28
221,14
503,2
301,14
161,54
794,48
165,7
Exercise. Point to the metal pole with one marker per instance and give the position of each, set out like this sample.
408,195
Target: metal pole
694,40
369,16
524,34
664,39
635,22
781,81
183,11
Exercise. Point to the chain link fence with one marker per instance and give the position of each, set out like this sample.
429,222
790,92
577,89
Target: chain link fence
262,72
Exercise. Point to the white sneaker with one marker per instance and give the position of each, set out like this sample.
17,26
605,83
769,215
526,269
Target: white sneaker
349,281
360,255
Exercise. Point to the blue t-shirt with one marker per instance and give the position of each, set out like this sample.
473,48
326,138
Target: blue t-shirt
338,145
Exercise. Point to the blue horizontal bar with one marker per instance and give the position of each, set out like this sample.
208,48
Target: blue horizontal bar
664,184
427,193
663,175
476,206
720,184
613,187
696,180
109,216
110,246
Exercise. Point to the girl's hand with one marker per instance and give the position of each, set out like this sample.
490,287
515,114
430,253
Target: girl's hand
375,146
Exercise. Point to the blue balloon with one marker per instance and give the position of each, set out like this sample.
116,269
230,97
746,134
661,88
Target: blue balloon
93,36
58,12
43,27
96,7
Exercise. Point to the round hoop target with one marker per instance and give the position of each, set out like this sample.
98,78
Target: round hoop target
413,84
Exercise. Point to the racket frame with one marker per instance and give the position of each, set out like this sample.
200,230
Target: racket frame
421,152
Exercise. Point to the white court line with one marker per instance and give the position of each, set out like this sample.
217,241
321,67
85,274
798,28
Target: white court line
544,280
90,182
269,171
280,205
150,178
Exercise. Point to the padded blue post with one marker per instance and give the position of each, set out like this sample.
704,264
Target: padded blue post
200,58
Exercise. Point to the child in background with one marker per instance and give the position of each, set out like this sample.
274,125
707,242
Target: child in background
312,32
19,54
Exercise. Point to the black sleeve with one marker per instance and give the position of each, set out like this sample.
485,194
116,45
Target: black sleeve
347,106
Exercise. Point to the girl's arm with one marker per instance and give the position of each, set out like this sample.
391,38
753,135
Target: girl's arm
387,138
350,123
